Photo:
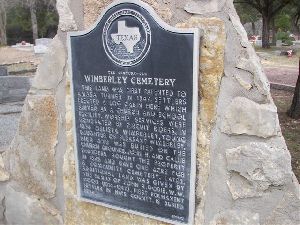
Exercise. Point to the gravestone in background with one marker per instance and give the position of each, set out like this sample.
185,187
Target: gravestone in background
134,83
3,71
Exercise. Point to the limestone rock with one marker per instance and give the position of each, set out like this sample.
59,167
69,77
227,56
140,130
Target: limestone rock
85,214
4,175
32,153
244,83
287,212
204,6
240,187
240,30
249,60
244,116
211,62
50,71
66,18
255,168
2,207
235,217
22,208
251,65
93,8
163,11
69,169
211,73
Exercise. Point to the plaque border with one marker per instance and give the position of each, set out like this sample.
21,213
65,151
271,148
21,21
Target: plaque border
196,47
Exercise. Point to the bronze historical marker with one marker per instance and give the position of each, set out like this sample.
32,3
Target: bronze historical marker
134,84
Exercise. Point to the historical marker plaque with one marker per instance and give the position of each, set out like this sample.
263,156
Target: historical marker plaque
134,84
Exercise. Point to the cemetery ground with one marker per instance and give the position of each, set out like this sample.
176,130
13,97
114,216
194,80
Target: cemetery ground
279,69
19,62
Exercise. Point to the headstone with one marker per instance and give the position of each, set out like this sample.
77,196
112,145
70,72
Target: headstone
296,43
43,41
3,71
40,49
258,43
14,88
279,43
134,82
42,45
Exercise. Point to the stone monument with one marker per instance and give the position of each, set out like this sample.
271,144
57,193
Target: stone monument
243,167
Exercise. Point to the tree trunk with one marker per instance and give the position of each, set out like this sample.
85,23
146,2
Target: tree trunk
273,32
294,111
253,28
296,27
3,40
266,32
33,20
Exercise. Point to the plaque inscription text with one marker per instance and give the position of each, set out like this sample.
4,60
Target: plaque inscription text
134,96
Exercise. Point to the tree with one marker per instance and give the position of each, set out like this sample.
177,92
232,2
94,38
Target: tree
281,27
34,7
295,12
294,111
47,21
3,40
18,26
283,22
248,14
268,9
4,5
289,17
34,23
